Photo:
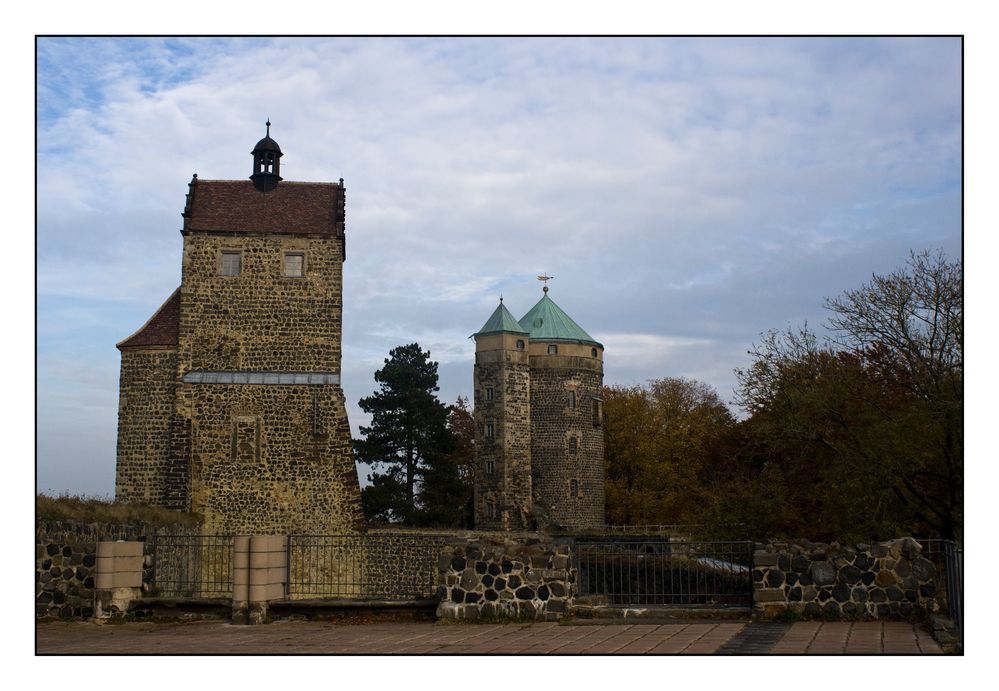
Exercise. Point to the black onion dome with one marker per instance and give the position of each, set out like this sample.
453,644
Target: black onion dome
267,144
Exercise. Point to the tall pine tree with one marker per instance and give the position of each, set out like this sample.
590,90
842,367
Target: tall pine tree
408,435
445,494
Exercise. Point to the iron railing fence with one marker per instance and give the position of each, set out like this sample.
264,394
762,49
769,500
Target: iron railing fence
662,571
197,566
948,557
383,566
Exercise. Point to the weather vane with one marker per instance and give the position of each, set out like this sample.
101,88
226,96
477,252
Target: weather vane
545,278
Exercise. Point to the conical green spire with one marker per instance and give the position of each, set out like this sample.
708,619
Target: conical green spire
547,322
501,321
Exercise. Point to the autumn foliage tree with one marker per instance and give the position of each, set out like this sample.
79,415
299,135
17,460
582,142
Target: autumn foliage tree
865,428
657,438
857,435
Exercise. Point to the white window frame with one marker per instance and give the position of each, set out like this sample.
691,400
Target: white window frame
284,264
223,255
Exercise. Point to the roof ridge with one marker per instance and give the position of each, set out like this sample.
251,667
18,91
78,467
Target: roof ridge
283,182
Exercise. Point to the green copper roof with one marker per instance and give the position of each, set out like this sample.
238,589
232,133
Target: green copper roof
501,321
547,322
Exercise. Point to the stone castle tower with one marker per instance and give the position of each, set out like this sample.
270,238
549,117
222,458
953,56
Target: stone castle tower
230,397
539,421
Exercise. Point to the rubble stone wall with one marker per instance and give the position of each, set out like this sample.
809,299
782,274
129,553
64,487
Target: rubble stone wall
888,580
66,563
567,449
265,458
502,461
145,403
514,577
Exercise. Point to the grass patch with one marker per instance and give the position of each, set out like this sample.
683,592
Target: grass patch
84,509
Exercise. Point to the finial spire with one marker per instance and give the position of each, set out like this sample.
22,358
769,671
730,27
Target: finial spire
268,126
501,298
545,278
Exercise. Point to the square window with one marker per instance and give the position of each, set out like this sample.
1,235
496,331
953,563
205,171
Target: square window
489,393
230,263
520,344
553,349
294,264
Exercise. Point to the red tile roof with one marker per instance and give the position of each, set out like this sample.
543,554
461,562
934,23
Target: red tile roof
237,206
162,329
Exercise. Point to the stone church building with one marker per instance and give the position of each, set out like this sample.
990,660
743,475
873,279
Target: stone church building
230,398
539,422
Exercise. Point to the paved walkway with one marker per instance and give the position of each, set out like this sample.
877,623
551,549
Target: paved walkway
299,637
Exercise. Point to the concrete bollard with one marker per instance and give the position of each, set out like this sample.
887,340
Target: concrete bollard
241,579
260,568
118,578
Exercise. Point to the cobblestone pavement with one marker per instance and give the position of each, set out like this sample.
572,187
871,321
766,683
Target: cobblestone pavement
213,637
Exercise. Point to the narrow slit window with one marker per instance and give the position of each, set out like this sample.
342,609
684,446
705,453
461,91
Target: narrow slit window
490,467
598,413
574,487
489,430
573,445
489,393
572,399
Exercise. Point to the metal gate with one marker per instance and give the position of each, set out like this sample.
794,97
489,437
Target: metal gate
192,565
665,571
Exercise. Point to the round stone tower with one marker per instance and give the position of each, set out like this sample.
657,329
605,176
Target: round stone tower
567,441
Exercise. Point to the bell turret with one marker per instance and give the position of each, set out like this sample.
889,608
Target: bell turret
266,163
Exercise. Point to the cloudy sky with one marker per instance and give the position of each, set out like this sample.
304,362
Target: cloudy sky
687,194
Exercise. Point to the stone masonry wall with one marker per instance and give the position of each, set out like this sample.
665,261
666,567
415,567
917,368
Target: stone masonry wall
145,402
508,487
261,464
265,458
553,425
400,565
65,563
513,577
261,319
889,580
